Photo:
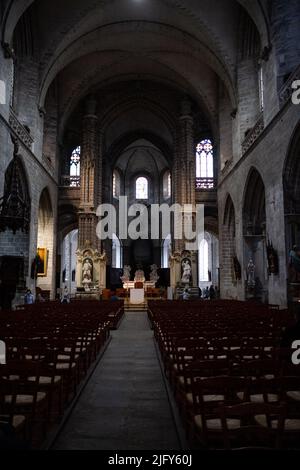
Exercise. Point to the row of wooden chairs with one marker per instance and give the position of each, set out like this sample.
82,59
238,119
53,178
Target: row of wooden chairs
234,385
48,354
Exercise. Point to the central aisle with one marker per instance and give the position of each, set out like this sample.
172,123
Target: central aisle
125,404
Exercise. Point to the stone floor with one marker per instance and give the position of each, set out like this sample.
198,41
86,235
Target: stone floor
125,404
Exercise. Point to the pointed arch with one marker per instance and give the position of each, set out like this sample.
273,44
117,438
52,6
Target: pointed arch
166,251
229,215
254,207
117,253
46,243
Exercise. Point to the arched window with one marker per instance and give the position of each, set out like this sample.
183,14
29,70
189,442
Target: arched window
204,159
166,251
141,188
116,184
203,261
116,258
167,185
261,86
75,167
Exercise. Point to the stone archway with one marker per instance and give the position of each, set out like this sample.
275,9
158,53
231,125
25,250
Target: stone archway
254,236
45,246
231,268
291,184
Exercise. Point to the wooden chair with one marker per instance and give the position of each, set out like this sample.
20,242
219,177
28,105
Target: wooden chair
257,425
208,395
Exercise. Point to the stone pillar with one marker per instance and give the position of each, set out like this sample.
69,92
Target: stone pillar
187,169
175,269
89,169
184,174
90,196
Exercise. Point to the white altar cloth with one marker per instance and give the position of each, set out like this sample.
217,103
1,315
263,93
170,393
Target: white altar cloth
137,296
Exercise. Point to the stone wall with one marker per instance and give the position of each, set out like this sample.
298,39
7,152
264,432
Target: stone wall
268,156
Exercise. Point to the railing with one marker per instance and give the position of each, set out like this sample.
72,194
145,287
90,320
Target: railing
68,181
205,184
285,94
253,134
21,131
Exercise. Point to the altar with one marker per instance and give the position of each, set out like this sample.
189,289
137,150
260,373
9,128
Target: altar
137,296
128,285
139,286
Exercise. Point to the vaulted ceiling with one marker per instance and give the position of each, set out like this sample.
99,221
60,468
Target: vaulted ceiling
170,37
187,45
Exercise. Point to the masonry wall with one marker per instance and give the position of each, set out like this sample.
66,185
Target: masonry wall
268,156
38,176
285,21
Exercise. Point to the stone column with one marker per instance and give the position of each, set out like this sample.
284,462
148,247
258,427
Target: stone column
184,165
89,168
187,169
184,174
90,195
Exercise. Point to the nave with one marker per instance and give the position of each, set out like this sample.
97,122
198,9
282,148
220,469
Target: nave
186,374
125,403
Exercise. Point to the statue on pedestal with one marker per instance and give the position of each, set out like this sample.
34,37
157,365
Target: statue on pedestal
126,274
251,274
87,273
153,274
186,271
139,276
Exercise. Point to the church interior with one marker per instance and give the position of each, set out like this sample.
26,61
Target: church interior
134,340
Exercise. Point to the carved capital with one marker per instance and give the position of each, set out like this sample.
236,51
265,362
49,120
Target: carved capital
9,52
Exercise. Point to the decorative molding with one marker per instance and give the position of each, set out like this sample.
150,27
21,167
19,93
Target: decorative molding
38,161
42,111
206,184
9,53
233,113
20,130
266,53
67,181
253,134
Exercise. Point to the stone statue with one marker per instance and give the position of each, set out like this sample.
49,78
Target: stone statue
251,274
186,271
139,276
153,274
87,273
126,274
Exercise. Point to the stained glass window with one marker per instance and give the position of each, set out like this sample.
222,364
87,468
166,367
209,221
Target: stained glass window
141,188
204,159
203,261
75,162
167,185
116,252
116,184
166,251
